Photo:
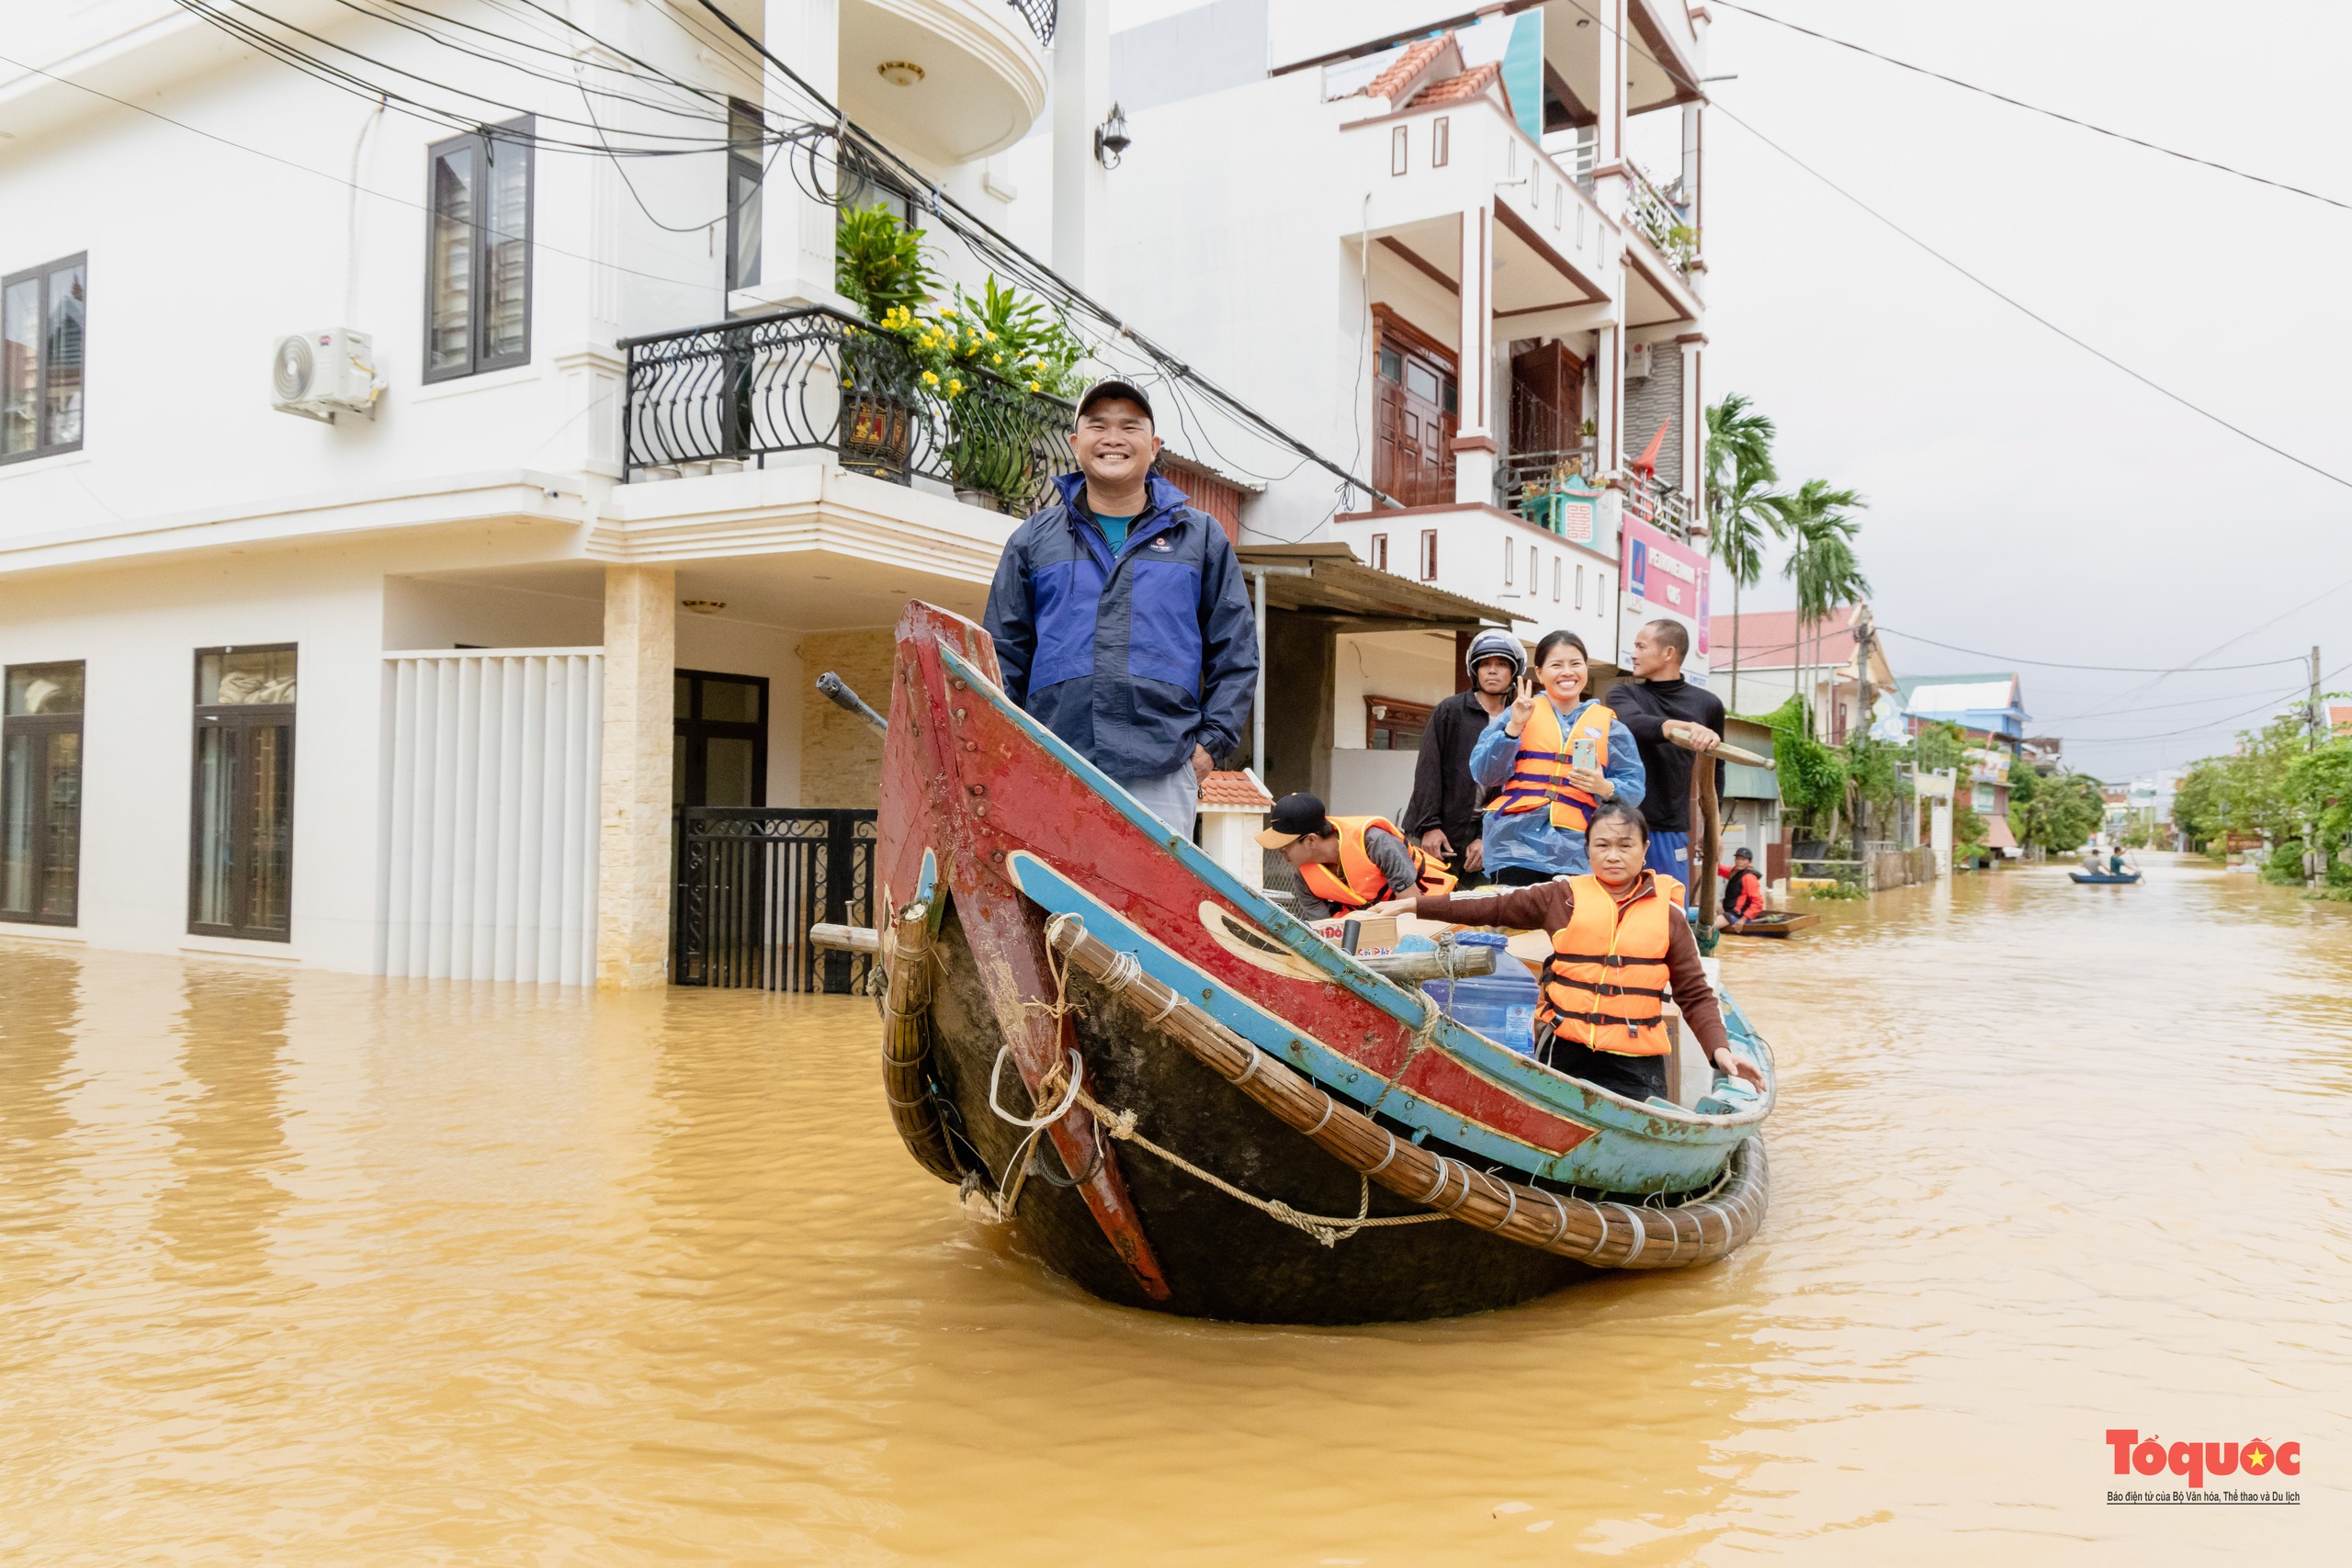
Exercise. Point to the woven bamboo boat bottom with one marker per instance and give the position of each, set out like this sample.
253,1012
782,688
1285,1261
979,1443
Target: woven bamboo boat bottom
1603,1234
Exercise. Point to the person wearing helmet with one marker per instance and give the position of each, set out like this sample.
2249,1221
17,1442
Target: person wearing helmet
1442,816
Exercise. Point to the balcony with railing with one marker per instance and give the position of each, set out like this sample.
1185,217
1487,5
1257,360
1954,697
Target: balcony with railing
1662,222
739,393
1658,503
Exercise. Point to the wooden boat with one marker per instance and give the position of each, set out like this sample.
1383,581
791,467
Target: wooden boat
2103,879
1190,1103
1773,923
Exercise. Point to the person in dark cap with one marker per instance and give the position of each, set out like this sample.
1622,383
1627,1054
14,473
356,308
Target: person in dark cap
1120,617
1347,864
1443,814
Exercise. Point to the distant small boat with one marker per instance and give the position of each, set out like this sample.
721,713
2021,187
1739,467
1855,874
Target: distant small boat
2102,879
1773,925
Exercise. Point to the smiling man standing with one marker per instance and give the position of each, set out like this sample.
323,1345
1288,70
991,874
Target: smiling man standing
1120,618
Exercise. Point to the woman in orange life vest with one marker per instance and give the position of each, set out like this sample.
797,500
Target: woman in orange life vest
1621,945
1347,864
1535,821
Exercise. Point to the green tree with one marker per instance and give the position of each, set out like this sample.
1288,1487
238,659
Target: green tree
1743,509
2197,808
2058,813
1812,776
1818,519
2318,785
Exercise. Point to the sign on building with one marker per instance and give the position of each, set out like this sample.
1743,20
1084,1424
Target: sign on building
1665,579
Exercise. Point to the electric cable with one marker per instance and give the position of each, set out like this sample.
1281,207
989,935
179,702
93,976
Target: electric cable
2098,669
2036,109
2010,300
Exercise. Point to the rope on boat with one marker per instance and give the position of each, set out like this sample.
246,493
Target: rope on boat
1669,1237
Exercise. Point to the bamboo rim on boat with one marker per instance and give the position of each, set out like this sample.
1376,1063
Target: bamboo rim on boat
1603,1234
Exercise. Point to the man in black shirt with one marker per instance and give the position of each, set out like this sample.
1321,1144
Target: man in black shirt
1671,721
1443,814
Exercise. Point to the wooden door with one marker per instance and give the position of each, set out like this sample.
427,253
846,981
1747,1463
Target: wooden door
1546,400
1416,411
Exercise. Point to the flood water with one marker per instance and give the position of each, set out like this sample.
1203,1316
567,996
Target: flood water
309,1269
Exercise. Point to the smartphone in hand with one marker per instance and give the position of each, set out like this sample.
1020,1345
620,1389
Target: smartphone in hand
1585,751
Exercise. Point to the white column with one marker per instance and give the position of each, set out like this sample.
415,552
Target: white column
1692,423
633,868
1608,396
1081,100
1939,834
796,230
1474,442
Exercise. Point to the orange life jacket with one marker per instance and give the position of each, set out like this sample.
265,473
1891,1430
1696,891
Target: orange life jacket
1361,884
1539,774
1605,985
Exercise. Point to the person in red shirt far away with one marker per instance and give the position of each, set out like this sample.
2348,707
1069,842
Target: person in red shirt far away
1742,891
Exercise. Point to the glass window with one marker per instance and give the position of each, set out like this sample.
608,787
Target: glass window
240,844
746,162
41,794
1392,364
42,318
1441,142
477,260
731,701
720,753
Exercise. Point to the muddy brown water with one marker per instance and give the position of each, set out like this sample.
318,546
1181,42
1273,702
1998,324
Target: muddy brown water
307,1268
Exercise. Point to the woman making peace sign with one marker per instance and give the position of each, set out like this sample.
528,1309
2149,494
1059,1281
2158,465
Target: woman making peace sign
1552,757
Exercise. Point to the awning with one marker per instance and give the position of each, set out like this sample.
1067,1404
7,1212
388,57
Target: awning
1326,579
1997,832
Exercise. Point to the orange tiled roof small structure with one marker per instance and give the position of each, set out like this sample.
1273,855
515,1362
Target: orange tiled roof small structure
1469,84
1401,71
1238,791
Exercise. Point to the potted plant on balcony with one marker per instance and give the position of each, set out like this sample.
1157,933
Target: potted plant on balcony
879,268
1010,361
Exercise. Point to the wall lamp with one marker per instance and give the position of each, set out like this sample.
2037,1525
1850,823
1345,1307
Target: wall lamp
1111,138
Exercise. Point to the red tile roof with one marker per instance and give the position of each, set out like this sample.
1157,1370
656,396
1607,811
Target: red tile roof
2339,716
1416,58
1237,789
1767,638
1453,89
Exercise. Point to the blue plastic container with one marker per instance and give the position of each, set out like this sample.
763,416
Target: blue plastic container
1501,1006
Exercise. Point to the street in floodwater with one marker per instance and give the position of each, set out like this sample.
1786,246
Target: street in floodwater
307,1268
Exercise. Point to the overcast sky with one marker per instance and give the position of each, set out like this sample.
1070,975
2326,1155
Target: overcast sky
2025,497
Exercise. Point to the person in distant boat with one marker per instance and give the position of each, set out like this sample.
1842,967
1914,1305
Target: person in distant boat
1742,891
1551,757
1621,945
2115,861
1347,864
1120,617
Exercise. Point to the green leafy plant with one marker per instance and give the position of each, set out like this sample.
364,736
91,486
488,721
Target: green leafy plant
1812,776
879,266
1743,509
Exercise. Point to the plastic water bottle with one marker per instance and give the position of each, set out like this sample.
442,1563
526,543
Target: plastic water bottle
1518,1029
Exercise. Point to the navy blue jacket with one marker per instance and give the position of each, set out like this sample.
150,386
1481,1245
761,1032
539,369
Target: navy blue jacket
1133,659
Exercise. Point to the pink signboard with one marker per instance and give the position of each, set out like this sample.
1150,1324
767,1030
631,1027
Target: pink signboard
1664,579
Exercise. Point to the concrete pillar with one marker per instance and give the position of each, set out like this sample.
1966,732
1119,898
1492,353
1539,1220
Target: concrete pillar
1609,397
633,869
1475,448
796,230
1081,100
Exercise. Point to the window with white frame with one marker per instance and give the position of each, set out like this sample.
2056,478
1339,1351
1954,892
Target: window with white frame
1441,142
1556,567
746,149
43,313
1580,586
1380,552
1396,143
478,264
1511,561
1428,555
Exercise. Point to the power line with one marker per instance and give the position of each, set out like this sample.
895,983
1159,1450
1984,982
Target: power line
2036,109
2010,300
2194,728
2098,668
381,195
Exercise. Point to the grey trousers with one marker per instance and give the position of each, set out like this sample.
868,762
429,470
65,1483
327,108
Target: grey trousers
1174,798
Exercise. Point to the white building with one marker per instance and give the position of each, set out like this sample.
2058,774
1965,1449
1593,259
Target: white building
412,684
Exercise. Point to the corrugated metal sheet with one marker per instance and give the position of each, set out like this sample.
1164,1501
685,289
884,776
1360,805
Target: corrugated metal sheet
487,854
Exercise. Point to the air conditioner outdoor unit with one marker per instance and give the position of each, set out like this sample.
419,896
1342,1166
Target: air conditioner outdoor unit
1637,362
320,374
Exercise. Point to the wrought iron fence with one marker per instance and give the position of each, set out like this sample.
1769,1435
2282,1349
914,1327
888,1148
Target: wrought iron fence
1665,225
813,378
1658,504
1041,16
1523,479
751,880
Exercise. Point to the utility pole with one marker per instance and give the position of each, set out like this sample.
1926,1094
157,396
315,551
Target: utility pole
1864,631
2316,718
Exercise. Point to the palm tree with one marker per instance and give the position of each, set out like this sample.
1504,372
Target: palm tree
1742,507
1821,564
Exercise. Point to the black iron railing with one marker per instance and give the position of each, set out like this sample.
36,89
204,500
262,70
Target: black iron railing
1041,16
751,880
813,378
